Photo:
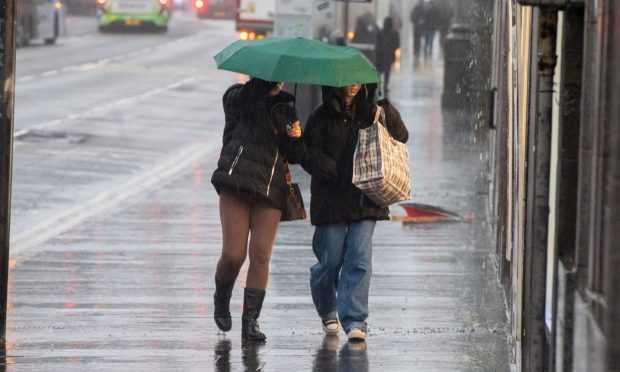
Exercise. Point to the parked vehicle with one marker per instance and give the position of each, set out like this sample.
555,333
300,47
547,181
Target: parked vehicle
39,19
218,9
134,14
255,18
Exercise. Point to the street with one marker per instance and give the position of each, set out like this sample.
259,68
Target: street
113,95
115,228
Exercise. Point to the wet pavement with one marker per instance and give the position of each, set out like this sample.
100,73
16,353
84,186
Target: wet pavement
128,286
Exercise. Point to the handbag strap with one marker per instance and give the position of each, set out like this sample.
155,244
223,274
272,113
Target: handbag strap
379,113
287,173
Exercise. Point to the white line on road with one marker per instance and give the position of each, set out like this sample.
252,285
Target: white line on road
103,108
87,66
121,196
50,73
26,78
70,68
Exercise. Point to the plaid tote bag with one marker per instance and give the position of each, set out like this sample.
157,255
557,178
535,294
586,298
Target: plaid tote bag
381,165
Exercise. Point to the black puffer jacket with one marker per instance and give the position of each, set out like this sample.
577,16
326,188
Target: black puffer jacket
331,137
255,146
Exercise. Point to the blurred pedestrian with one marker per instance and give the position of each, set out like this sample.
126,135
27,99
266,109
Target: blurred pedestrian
261,133
343,217
417,21
446,13
365,29
388,41
430,26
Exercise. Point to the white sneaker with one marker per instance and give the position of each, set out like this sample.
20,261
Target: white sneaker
331,327
356,334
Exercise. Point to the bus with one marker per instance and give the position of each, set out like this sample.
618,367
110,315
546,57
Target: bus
255,18
39,19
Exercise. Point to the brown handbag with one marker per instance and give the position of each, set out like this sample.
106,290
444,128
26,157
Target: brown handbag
294,206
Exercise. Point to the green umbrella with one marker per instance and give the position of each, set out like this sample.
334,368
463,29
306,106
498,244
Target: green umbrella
298,60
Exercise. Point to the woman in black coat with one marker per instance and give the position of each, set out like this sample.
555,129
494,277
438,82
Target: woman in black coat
343,216
261,134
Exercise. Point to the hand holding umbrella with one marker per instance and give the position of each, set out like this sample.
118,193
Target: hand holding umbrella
294,130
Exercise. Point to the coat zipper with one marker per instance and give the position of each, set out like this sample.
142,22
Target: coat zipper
235,161
273,169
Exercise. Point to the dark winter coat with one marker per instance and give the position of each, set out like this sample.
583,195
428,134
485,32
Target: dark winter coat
255,144
417,17
386,44
331,137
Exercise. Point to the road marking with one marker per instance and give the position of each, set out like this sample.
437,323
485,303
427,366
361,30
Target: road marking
122,196
87,66
26,78
72,68
50,73
103,108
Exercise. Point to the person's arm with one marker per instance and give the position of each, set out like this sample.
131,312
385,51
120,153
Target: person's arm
315,160
291,144
231,98
394,123
294,149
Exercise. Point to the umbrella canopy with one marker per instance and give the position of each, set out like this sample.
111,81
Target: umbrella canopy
298,60
420,213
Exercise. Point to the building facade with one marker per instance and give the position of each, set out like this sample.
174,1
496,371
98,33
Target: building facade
554,172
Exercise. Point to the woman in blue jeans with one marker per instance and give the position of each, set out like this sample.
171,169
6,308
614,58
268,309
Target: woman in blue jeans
344,218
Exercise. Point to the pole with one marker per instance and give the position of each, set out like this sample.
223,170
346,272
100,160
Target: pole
7,93
535,341
346,21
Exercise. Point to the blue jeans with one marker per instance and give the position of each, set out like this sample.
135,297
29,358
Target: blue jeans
429,37
340,280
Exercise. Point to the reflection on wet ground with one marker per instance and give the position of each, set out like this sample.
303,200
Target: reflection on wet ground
330,356
350,357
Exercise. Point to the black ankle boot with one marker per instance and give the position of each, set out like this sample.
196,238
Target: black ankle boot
252,304
221,302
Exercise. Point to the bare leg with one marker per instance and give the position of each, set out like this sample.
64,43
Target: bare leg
235,219
264,220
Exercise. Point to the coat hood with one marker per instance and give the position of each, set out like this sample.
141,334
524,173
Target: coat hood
258,90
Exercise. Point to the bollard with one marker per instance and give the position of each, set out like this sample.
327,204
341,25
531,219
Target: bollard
458,83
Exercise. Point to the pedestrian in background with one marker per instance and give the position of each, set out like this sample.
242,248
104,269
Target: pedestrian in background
446,13
417,22
386,44
365,29
344,218
430,26
260,133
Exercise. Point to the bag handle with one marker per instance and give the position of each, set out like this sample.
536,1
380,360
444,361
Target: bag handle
287,174
377,114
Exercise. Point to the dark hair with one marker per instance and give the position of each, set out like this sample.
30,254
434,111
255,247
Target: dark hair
388,23
283,114
264,85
